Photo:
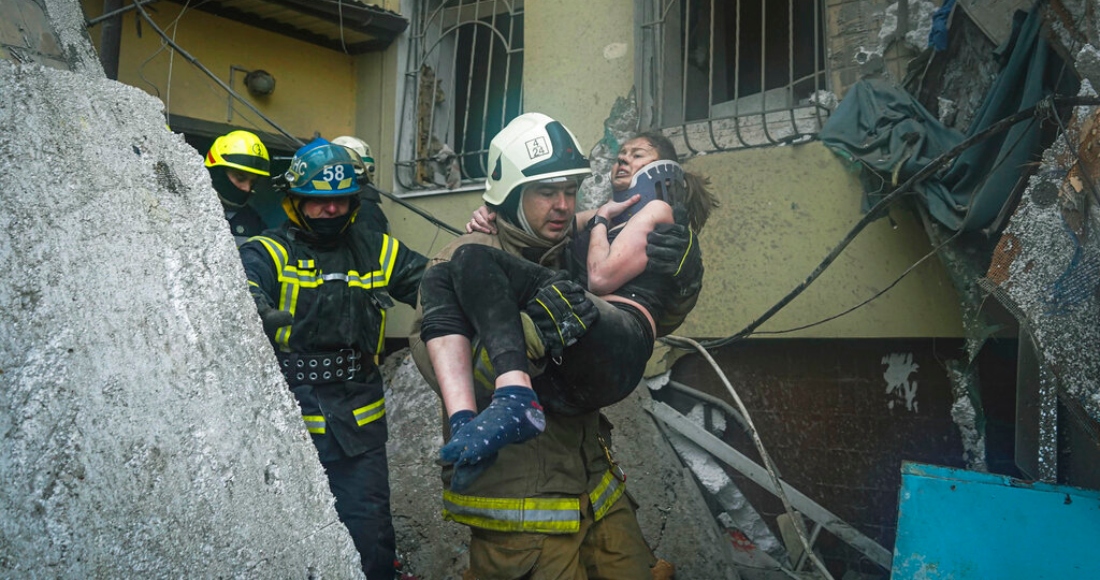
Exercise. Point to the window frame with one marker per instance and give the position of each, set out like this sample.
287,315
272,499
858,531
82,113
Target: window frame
660,62
435,33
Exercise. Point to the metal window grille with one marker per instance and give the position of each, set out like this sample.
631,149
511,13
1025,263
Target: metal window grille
463,83
728,74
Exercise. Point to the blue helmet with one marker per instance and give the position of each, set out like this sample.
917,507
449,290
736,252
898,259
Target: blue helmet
322,169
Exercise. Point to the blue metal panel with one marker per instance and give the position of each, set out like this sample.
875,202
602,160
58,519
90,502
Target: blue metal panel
958,524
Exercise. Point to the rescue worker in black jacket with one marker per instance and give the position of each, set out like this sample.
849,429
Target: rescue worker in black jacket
322,282
237,161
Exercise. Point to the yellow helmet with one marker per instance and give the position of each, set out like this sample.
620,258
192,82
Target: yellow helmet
240,150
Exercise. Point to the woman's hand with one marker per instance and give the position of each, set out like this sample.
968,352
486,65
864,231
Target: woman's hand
612,209
483,221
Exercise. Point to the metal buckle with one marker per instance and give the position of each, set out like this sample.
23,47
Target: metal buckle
616,470
353,362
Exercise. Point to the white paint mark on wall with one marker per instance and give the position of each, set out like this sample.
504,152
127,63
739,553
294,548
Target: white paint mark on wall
614,50
898,368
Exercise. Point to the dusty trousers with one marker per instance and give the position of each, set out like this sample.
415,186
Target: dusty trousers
361,486
609,549
480,293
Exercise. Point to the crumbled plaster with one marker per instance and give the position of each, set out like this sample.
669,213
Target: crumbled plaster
67,19
916,38
1052,280
1087,64
657,382
1072,23
964,381
920,24
827,99
946,111
736,511
617,128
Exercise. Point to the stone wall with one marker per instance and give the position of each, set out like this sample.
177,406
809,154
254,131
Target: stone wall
147,431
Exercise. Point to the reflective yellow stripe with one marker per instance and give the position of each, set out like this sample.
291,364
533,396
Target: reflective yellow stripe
371,412
502,514
288,292
304,274
315,424
387,258
606,494
484,373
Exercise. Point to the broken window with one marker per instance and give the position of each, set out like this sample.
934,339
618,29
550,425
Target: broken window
463,83
724,74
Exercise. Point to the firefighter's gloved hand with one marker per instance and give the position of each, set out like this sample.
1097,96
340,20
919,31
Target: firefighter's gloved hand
673,251
514,416
274,319
562,313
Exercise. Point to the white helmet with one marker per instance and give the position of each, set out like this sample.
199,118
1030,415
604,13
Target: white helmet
362,150
533,147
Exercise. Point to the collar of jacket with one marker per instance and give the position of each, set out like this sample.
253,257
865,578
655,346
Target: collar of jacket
518,242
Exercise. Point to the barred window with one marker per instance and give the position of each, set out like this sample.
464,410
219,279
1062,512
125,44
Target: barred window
463,83
728,74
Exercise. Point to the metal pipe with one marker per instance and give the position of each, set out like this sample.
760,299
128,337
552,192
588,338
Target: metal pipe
110,38
113,13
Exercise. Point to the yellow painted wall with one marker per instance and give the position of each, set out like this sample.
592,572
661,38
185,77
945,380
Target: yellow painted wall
578,58
783,210
314,86
576,62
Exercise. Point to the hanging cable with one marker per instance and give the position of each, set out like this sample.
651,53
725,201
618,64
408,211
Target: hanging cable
796,519
879,208
298,142
912,267
148,19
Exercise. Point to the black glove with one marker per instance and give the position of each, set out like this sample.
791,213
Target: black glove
673,250
562,312
273,319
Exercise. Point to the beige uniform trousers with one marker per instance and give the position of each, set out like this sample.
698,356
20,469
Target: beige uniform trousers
610,549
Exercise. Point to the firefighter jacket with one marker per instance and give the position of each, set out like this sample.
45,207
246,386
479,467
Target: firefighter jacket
544,484
338,293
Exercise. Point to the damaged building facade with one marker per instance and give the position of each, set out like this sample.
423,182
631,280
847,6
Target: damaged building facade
942,332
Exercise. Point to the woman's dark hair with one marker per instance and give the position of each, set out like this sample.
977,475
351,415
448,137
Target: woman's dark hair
699,199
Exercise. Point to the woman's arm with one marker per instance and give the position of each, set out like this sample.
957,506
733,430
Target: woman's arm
612,265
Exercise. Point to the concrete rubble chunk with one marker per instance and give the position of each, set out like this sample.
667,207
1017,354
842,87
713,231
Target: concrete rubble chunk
147,430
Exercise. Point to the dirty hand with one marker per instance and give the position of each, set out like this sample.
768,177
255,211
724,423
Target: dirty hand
612,209
673,251
563,313
483,221
273,319
514,416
